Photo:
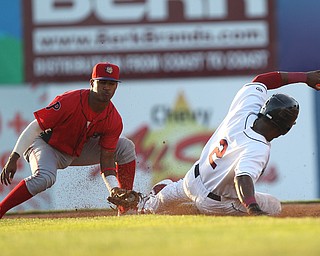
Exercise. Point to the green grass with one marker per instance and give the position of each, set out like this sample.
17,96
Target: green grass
160,235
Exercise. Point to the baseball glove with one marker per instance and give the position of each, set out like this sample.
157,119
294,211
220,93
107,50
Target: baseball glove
127,199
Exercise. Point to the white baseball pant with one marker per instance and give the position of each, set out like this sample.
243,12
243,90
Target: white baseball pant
190,189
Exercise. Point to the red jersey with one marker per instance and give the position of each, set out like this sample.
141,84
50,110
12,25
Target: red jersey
71,123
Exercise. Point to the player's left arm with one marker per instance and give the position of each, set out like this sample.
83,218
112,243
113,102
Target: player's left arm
108,143
276,79
108,169
246,194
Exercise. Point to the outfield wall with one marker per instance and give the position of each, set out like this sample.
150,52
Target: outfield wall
174,118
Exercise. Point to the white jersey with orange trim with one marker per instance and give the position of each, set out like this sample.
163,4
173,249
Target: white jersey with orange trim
235,149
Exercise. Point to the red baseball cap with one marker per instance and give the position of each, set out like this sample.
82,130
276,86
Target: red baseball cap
106,71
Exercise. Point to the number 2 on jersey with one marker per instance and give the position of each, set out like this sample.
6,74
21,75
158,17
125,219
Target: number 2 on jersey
219,153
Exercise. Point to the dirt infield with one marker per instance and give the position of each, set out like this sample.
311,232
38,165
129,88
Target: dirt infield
288,210
300,210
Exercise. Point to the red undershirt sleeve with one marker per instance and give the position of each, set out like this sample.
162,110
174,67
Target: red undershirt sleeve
272,80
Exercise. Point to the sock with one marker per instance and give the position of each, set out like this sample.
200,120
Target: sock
17,196
125,176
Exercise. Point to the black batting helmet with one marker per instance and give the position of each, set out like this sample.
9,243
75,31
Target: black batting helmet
282,110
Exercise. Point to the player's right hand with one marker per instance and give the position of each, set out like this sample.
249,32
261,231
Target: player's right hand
254,210
313,79
9,170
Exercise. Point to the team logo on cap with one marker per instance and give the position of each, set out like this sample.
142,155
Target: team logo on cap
109,69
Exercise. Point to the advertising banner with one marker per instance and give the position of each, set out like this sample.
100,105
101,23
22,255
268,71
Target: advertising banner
148,38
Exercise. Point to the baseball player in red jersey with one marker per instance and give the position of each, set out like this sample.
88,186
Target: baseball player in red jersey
222,180
78,128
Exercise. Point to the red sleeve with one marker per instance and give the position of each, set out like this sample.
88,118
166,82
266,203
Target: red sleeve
109,142
271,80
55,112
110,139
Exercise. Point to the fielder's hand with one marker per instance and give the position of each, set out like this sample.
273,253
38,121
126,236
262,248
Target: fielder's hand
127,199
9,169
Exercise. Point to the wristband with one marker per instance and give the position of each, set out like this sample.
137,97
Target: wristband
295,77
108,169
111,182
14,154
249,200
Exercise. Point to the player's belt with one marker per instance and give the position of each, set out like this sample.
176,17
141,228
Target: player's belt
210,195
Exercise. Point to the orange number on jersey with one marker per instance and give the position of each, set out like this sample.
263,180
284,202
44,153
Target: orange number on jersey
218,153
